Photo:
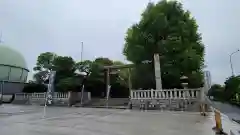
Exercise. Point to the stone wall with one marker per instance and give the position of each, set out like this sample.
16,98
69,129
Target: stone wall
75,97
21,98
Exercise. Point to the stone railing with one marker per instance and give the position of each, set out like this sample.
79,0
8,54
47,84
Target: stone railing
59,98
61,95
170,99
39,98
21,96
38,95
166,94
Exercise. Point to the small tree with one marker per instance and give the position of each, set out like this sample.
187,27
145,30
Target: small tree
33,87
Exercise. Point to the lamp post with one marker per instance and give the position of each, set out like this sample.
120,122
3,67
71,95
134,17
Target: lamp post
81,50
231,61
84,76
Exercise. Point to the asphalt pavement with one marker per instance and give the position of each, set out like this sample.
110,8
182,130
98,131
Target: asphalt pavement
34,120
232,111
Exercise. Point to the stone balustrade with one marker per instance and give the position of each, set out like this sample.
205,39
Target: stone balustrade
166,98
61,95
38,95
59,98
166,94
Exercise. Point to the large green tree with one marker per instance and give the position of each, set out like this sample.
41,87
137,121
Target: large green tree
122,74
63,65
232,88
96,82
44,61
217,91
43,66
167,29
84,66
69,74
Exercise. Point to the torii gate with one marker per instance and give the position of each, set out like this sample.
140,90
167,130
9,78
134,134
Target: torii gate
157,69
108,71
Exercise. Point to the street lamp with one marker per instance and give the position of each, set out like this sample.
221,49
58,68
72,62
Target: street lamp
231,61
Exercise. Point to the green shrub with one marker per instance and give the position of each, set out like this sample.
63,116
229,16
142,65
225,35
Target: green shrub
32,88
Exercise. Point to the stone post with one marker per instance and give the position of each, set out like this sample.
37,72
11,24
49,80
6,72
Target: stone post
157,68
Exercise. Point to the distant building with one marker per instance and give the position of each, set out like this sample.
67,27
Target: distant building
13,70
12,65
207,79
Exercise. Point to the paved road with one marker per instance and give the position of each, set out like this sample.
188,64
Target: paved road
233,112
28,120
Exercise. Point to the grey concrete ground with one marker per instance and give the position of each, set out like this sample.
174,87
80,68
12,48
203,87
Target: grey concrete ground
233,112
28,120
230,112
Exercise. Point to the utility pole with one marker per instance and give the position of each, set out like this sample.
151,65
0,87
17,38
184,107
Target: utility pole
82,91
231,61
108,86
81,51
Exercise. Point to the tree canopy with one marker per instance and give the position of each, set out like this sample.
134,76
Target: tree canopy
70,77
167,29
217,91
232,87
44,61
230,92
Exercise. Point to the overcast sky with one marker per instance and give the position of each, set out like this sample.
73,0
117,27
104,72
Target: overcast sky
36,26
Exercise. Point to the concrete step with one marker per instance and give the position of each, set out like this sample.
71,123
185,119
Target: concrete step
20,102
37,102
110,102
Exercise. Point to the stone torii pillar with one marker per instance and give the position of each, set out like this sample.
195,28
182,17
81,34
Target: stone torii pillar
157,69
